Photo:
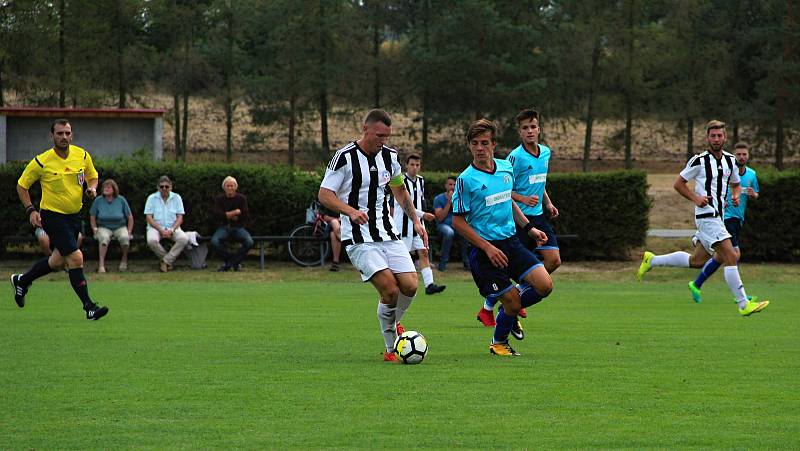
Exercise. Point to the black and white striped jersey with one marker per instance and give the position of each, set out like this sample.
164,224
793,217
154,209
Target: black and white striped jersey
361,180
416,189
711,177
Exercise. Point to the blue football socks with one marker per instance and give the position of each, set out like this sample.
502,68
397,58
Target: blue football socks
503,327
709,268
528,295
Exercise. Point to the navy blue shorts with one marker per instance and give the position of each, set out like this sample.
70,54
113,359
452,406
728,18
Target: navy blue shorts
734,225
542,223
63,230
493,281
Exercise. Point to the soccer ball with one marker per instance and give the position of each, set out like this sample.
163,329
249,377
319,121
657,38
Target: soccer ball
411,347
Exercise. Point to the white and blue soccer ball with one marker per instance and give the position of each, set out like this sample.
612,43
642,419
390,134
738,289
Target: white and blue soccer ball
411,347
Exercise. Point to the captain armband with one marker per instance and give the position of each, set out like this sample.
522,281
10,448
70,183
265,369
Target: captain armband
396,181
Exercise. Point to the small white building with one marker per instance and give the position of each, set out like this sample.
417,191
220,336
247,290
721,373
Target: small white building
103,132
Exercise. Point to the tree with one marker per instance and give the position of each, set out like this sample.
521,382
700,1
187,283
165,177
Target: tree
227,21
583,37
470,59
778,91
281,83
632,60
693,72
175,30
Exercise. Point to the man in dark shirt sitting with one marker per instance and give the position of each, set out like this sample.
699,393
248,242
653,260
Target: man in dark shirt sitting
231,209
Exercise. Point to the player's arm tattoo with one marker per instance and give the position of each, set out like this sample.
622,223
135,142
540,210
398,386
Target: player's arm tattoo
408,206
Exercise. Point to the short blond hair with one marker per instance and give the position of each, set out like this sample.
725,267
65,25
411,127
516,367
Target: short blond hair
229,179
714,125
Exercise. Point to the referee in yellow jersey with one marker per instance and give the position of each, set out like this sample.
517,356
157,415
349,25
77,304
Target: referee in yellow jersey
62,172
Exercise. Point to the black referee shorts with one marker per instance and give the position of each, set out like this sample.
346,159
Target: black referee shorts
63,230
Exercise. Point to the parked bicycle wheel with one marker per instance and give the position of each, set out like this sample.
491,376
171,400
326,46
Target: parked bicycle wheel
308,252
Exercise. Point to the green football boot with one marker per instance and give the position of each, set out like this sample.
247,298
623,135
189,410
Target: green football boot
753,306
645,266
696,294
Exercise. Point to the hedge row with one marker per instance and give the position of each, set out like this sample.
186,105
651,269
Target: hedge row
277,196
608,211
769,228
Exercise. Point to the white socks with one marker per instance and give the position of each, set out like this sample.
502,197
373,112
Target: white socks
679,259
390,315
388,322
427,276
734,282
403,302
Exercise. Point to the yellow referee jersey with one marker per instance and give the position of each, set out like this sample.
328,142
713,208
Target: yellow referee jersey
62,179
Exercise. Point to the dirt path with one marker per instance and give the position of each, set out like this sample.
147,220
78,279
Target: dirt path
669,210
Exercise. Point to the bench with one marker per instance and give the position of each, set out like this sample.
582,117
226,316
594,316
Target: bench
259,240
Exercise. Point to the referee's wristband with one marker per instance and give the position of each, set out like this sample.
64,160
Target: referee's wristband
30,209
527,227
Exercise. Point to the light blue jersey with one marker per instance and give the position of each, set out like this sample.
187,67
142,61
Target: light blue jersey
747,180
530,175
484,198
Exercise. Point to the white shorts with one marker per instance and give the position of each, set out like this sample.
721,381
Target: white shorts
413,243
710,231
369,258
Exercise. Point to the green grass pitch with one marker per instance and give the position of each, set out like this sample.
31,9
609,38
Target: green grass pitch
293,361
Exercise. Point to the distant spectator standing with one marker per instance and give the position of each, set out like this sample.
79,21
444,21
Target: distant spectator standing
443,210
164,213
110,215
231,209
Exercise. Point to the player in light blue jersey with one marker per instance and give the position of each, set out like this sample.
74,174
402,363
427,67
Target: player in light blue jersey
734,216
530,162
485,215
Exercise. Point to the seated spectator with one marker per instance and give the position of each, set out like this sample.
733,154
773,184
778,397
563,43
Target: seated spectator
164,213
110,215
231,209
335,228
443,210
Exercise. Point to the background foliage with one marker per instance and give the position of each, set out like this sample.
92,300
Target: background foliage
769,231
608,211
277,196
444,63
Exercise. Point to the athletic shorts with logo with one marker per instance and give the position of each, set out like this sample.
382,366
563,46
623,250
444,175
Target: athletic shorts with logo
369,258
710,231
493,281
413,243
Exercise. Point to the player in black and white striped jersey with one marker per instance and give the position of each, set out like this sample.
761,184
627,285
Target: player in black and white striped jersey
355,186
415,185
713,172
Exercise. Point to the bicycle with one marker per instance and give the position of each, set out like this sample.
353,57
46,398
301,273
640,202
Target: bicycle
309,243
